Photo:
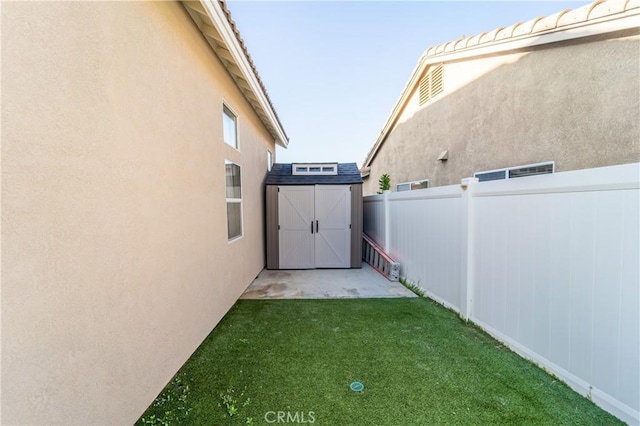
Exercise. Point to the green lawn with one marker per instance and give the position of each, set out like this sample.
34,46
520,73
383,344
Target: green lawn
420,365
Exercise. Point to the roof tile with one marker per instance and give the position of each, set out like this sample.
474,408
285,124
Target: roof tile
460,44
578,15
526,27
474,40
450,47
607,8
597,9
548,23
507,32
490,36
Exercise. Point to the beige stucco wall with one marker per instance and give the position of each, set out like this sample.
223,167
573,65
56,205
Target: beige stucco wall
575,103
115,260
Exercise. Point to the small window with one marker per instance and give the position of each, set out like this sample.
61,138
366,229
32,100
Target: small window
516,172
403,187
229,127
234,200
431,84
315,169
269,160
412,186
487,176
541,169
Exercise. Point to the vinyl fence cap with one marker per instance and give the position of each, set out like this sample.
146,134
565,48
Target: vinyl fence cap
464,183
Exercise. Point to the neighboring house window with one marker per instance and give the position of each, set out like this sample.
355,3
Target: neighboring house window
412,186
234,200
269,160
516,172
431,83
230,126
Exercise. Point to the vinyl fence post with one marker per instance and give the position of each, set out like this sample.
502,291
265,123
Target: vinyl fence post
387,222
468,248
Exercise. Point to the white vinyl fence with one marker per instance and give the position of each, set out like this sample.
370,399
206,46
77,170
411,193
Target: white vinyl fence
548,264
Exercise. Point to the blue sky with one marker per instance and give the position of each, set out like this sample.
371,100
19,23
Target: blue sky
334,70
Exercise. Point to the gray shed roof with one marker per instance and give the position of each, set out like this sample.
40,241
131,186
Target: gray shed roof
281,174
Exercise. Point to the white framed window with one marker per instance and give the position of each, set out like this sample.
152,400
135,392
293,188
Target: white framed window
234,200
229,126
269,160
412,186
315,169
517,171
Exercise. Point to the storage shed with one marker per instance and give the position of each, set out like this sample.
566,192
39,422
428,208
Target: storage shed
314,216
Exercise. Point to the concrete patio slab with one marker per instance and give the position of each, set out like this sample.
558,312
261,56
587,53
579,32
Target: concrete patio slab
324,284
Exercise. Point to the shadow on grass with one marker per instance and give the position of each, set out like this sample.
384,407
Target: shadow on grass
277,361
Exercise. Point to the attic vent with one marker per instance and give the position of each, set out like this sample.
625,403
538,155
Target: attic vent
431,84
516,172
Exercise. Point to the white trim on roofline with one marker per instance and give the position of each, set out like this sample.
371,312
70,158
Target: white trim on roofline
218,20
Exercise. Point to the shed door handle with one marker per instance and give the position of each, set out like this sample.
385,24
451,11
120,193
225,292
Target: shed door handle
316,226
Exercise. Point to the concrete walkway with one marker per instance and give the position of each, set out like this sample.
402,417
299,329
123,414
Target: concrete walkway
324,284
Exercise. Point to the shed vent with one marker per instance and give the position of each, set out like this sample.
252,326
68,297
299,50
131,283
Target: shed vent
431,83
315,169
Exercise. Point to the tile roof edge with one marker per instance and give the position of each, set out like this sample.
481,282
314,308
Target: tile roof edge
236,31
440,49
213,20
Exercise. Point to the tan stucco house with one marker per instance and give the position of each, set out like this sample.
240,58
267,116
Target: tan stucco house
555,93
136,137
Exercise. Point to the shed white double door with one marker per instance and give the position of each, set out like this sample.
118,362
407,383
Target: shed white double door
314,226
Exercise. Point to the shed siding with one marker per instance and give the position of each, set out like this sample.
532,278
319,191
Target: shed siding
356,226
273,248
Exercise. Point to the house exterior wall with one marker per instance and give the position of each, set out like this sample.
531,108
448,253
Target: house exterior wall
574,102
115,259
